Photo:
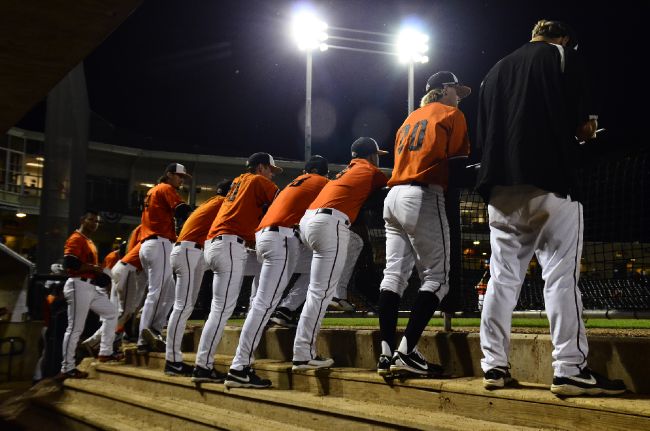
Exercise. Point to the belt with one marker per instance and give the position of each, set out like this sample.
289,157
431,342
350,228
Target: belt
148,238
296,231
419,184
328,211
196,244
220,237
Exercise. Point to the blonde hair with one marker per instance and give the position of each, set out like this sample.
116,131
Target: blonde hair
550,29
433,95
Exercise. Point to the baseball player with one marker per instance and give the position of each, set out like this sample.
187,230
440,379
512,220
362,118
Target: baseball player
325,229
161,206
340,300
129,280
188,265
82,291
111,258
532,105
225,253
431,139
278,245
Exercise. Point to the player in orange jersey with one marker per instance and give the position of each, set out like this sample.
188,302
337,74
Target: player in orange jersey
325,229
225,253
189,265
84,291
162,206
278,248
417,234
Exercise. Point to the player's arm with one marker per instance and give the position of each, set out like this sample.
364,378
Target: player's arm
458,150
71,256
181,214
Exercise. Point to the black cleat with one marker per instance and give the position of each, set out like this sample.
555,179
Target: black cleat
587,383
203,375
383,365
497,377
245,378
178,369
413,363
284,317
313,364
154,339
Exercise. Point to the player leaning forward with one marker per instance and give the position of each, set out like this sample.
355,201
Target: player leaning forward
278,248
432,140
225,253
325,229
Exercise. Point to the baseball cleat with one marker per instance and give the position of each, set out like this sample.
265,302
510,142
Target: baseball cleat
587,383
203,375
413,362
497,377
91,347
142,349
245,378
383,365
283,317
72,374
341,305
313,364
112,358
154,339
178,369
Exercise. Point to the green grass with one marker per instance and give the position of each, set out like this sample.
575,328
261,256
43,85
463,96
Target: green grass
474,322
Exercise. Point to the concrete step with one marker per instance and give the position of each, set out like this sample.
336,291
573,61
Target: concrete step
310,410
459,352
530,404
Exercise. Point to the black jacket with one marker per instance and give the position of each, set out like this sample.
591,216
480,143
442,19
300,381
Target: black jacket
529,109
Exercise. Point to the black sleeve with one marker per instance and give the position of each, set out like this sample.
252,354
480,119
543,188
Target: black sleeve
71,262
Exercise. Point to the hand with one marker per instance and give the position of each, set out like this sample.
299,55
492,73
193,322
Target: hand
587,130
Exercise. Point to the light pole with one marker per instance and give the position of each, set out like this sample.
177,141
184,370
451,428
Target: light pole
411,48
310,33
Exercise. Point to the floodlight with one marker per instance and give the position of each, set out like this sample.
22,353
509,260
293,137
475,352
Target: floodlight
21,214
412,45
308,31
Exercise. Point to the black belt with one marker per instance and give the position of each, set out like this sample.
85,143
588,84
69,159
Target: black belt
148,238
419,184
271,229
220,237
196,245
328,211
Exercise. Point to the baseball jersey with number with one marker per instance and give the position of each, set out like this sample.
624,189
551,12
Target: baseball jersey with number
196,227
351,187
111,259
428,138
290,205
243,207
158,214
83,248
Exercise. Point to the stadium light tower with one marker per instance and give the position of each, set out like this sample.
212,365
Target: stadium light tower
412,47
310,34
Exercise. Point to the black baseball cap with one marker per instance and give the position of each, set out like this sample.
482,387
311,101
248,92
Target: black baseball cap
319,163
262,159
364,146
177,168
446,78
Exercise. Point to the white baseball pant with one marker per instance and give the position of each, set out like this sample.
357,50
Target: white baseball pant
188,265
298,292
154,255
226,257
278,252
81,297
526,220
417,233
355,245
327,235
252,268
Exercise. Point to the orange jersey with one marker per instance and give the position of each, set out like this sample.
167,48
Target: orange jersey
351,188
158,214
132,257
291,204
428,138
243,207
196,227
111,259
134,238
83,248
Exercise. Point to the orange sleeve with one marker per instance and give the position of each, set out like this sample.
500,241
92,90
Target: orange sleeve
134,238
270,190
172,197
74,246
458,139
379,180
110,260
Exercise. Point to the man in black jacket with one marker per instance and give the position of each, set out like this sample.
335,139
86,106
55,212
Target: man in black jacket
533,104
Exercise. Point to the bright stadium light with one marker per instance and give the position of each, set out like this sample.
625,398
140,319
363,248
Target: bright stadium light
309,33
412,47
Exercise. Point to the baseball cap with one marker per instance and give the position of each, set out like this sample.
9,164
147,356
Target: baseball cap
177,168
264,159
319,163
364,146
446,78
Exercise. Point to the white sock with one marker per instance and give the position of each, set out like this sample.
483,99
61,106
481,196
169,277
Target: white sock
403,346
385,349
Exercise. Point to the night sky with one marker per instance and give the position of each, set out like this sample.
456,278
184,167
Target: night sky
224,77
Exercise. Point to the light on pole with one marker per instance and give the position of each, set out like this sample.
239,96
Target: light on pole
310,34
412,47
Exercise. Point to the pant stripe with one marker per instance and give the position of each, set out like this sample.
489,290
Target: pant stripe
126,293
329,286
225,301
187,294
442,234
162,284
74,320
575,288
270,307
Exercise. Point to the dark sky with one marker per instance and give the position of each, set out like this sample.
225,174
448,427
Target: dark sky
224,78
